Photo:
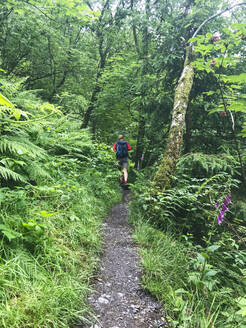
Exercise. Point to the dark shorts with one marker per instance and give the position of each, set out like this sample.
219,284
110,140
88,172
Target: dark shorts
123,163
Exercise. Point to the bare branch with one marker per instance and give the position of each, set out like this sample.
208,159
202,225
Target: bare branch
216,15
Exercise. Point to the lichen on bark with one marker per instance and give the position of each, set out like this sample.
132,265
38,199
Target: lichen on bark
166,170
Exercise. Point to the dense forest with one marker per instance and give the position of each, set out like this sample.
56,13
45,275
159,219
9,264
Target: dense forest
169,75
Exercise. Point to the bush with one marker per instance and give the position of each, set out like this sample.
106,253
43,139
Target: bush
192,249
57,185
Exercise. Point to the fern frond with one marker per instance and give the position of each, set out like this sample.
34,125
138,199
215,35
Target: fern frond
20,146
206,165
8,174
35,171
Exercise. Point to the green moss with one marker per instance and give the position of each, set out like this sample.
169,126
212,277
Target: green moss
167,168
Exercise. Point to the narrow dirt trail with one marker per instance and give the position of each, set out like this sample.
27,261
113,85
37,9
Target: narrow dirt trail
118,301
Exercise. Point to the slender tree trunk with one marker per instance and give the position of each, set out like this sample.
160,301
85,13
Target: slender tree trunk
52,66
167,168
103,49
92,103
140,140
103,55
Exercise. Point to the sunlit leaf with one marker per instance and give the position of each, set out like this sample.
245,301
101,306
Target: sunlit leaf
5,102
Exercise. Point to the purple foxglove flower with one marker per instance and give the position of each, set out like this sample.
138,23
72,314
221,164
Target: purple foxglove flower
217,204
224,208
227,200
142,157
219,219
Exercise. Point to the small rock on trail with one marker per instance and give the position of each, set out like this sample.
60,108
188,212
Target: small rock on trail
118,301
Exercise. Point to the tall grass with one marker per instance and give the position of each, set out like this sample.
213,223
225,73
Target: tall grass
163,260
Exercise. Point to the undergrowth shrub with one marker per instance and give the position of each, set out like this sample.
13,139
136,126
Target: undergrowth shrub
189,231
22,160
50,242
57,185
190,206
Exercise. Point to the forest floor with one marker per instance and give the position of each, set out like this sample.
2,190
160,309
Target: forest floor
118,301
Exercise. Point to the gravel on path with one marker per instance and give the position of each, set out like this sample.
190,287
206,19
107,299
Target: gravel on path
118,301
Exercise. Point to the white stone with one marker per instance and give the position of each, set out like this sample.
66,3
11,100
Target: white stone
103,300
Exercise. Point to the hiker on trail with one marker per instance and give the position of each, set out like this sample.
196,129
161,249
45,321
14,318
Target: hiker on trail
121,148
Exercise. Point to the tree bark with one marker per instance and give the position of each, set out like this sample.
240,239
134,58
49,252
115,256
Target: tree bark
97,88
91,106
140,140
163,177
188,134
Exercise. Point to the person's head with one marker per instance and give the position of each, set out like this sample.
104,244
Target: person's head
121,137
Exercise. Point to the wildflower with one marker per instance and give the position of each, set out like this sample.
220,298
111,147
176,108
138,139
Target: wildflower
227,199
224,208
220,217
142,157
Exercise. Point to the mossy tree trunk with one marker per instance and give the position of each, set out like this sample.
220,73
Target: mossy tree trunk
163,177
188,134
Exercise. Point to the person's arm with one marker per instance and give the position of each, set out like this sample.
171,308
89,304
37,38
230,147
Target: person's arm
128,146
114,147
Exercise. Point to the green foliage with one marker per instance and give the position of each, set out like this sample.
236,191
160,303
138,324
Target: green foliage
188,281
57,183
5,102
56,186
51,45
199,165
50,242
219,59
21,159
194,266
243,133
189,206
72,103
7,174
